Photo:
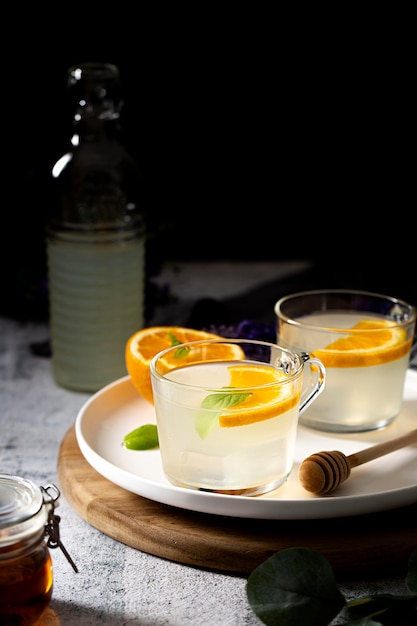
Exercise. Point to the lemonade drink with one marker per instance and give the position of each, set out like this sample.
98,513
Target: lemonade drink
365,367
96,303
210,456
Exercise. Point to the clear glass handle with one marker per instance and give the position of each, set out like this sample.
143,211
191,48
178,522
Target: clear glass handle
314,385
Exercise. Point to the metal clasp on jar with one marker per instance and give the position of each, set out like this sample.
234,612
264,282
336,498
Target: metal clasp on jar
50,495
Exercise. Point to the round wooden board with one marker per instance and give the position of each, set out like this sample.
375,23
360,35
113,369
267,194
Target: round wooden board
375,544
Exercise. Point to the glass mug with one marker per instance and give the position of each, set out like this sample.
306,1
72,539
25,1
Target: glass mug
227,412
364,340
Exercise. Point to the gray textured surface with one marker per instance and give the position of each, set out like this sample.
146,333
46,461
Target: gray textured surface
116,584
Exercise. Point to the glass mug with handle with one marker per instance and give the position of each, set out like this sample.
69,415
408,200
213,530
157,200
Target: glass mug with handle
364,340
227,412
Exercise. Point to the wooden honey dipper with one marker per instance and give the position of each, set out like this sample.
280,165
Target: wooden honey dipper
323,472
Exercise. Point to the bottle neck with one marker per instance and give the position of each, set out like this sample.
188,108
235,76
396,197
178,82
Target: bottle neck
96,179
94,100
94,129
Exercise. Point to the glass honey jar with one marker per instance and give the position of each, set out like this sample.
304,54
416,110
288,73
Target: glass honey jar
26,572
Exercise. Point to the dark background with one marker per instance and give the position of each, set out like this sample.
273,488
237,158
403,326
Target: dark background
260,136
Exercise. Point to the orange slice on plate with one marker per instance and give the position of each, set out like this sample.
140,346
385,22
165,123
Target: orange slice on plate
142,346
369,342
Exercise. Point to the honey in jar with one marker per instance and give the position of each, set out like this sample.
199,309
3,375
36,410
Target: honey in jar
26,575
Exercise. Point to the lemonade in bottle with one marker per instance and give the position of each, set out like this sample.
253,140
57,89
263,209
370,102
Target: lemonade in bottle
95,238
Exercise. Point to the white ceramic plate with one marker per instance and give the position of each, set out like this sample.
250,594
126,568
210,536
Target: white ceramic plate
385,483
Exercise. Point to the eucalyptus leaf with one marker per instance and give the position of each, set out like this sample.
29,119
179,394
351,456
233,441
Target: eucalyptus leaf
389,609
385,609
142,438
294,587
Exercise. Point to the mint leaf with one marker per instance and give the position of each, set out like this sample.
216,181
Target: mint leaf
204,423
143,438
174,340
181,352
293,587
223,400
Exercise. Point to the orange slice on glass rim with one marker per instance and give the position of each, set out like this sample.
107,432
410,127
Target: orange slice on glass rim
369,342
266,399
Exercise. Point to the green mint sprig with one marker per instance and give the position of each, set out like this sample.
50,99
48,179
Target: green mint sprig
297,586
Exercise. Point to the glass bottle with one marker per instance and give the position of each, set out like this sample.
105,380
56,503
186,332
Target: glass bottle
26,577
95,239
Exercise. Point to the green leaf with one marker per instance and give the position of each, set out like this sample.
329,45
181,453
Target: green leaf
223,400
143,438
174,340
204,423
181,352
385,609
294,587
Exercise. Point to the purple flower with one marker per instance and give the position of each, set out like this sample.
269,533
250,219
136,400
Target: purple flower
247,329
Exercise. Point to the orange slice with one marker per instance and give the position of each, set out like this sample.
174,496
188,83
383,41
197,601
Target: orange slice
267,399
200,354
371,342
142,346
